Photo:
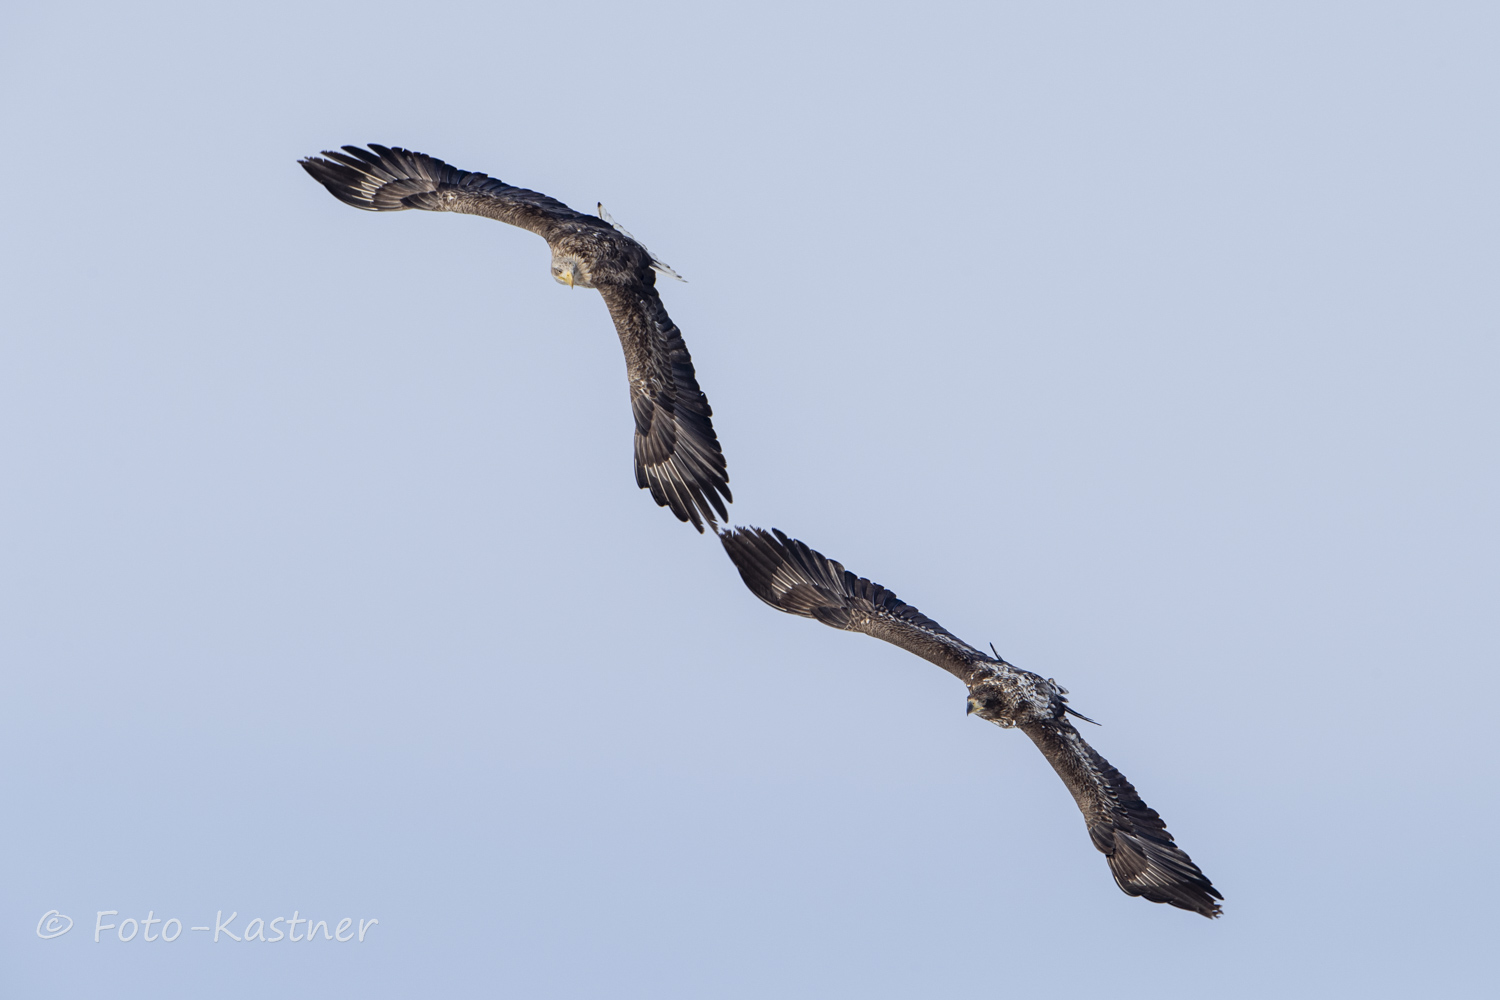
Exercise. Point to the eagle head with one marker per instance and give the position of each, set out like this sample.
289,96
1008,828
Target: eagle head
989,703
568,269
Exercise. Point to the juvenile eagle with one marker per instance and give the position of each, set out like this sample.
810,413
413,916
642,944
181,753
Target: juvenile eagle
677,454
791,577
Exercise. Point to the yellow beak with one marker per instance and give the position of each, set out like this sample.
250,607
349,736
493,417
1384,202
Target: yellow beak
568,277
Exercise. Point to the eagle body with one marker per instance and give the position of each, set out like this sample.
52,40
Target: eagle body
1144,860
594,259
677,454
1009,696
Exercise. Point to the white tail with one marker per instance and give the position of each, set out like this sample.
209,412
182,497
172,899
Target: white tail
656,265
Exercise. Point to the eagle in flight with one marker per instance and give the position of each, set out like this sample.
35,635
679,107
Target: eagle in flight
791,577
677,454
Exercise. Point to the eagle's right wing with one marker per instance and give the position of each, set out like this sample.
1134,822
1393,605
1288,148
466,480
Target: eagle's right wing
791,577
1130,834
391,179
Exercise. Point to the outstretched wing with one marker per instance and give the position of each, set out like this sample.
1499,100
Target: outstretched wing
791,577
391,179
1141,854
677,454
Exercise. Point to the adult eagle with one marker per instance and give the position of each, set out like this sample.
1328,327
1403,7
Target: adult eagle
677,454
791,577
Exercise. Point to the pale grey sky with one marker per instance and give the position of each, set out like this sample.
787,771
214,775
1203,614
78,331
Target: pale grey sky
1155,344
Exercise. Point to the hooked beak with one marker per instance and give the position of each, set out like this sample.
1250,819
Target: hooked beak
568,277
969,707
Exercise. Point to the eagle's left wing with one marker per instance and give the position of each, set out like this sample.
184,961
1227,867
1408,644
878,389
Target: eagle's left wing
677,455
1142,856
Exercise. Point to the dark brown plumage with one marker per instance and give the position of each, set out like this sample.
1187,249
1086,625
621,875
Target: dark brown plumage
1142,856
677,455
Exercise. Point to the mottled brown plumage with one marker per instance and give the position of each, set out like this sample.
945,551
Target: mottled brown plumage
1142,856
677,455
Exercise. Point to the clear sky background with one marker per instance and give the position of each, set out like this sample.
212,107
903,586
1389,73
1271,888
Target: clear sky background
1154,343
